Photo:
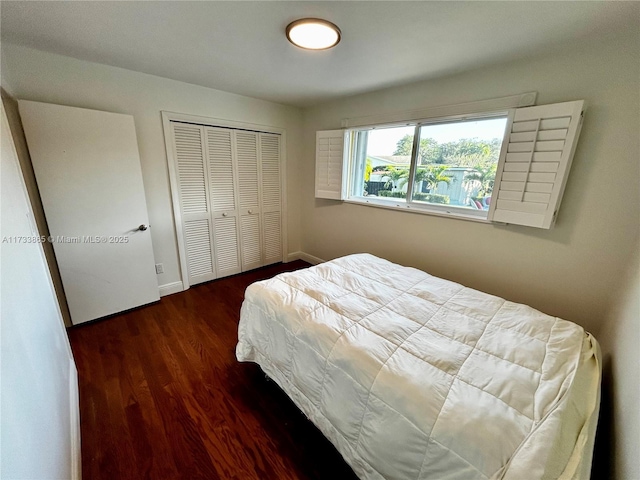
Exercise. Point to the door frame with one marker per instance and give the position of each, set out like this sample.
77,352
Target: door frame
172,164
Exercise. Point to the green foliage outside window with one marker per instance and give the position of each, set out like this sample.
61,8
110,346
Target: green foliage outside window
484,176
480,155
367,170
432,175
464,152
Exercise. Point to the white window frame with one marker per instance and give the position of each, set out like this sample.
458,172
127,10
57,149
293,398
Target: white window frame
537,150
409,204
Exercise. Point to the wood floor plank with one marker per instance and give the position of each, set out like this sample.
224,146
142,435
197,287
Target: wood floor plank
162,396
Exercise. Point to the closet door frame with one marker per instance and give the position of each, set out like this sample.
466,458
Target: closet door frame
167,118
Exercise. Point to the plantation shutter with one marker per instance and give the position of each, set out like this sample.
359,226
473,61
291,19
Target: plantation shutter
194,201
330,164
271,195
534,163
246,144
224,210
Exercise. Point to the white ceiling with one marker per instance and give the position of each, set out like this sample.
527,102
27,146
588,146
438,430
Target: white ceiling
240,46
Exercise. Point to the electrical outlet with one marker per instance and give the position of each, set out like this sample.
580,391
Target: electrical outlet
159,268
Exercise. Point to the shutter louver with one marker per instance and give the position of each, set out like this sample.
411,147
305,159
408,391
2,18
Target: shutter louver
534,164
330,164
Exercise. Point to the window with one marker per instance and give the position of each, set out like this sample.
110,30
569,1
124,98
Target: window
509,165
452,165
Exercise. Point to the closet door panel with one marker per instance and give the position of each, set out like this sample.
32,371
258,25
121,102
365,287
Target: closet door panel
271,223
271,198
194,201
190,163
270,171
223,188
221,171
246,144
251,243
197,235
227,246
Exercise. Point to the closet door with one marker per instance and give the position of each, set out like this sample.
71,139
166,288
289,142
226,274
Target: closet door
246,144
222,192
194,201
271,198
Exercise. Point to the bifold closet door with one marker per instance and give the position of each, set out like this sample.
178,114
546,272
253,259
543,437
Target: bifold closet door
260,193
249,199
271,198
230,196
223,187
193,193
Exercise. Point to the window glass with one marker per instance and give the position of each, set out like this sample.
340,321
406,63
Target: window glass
382,162
453,170
456,162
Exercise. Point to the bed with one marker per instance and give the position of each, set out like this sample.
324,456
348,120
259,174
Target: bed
414,377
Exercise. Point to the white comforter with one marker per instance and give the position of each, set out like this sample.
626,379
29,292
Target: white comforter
415,377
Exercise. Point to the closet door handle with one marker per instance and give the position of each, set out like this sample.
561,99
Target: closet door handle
250,212
224,214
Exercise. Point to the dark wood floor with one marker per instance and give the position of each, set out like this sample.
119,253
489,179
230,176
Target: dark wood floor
162,396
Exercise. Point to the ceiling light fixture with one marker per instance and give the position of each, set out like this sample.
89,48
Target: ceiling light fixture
313,34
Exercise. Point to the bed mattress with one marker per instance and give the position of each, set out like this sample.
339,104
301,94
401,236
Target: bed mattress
414,377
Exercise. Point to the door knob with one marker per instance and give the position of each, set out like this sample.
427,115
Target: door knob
224,214
250,212
142,227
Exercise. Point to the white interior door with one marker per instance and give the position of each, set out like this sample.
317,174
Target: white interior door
87,166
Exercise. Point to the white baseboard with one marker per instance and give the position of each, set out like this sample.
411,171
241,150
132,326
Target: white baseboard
74,415
293,256
313,260
170,288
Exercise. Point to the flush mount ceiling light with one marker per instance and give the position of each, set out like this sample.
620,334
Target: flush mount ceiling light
313,34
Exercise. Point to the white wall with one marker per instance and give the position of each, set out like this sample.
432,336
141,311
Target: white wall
577,269
568,271
39,404
45,77
619,430
20,142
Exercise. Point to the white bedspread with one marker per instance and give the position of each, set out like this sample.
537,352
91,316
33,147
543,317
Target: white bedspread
415,377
